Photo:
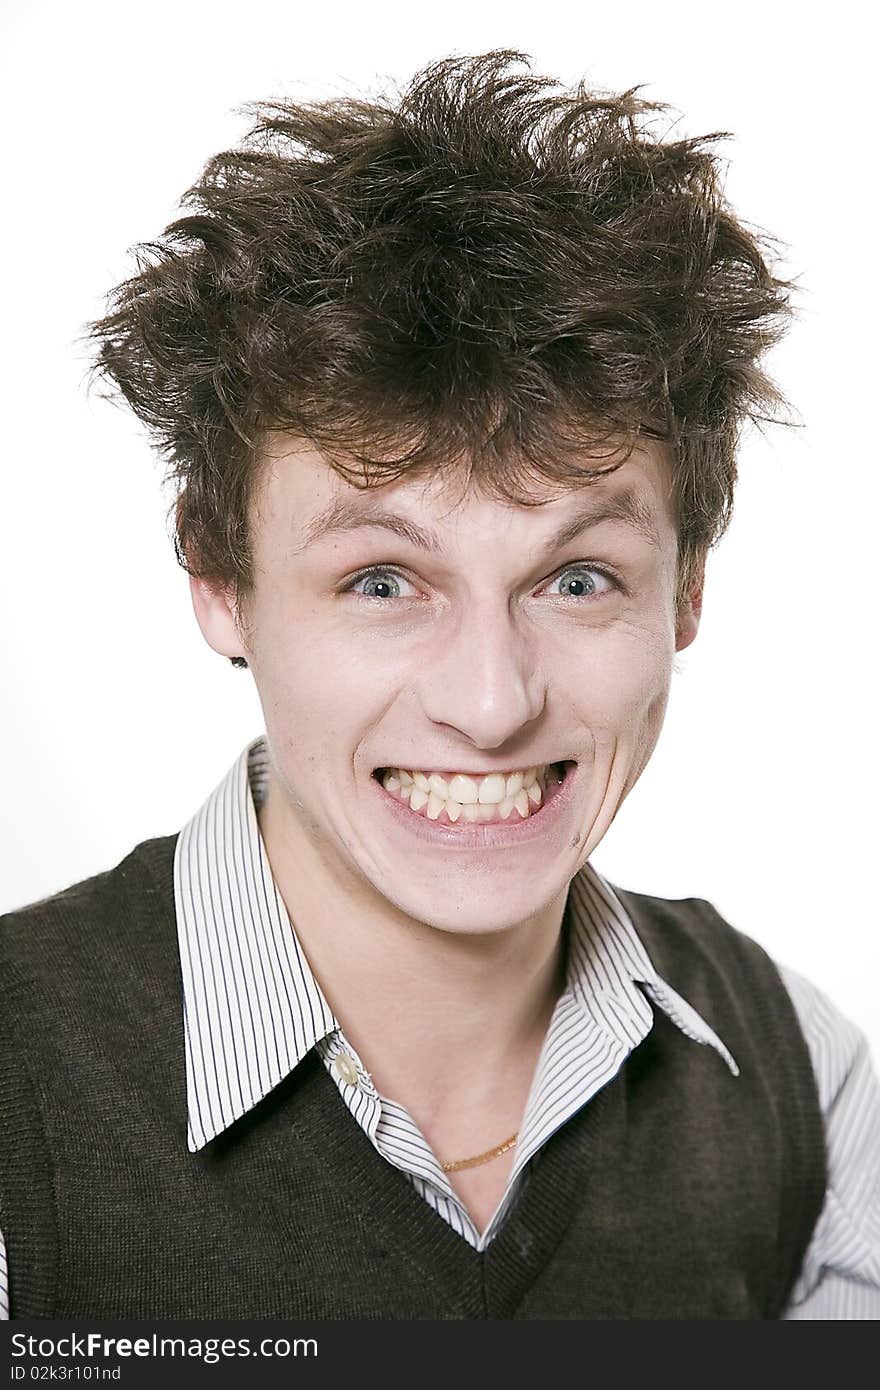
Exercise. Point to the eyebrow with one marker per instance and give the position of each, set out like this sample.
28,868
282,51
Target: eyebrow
344,514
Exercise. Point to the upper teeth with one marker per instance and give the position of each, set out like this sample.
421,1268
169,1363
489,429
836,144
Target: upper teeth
490,790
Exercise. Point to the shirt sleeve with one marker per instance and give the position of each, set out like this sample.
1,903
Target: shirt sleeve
840,1275
4,1282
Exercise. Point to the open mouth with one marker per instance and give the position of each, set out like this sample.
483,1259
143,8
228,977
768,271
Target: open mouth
496,798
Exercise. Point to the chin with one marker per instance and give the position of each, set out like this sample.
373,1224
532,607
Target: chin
462,912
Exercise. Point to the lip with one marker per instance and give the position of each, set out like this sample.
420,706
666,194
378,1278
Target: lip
474,835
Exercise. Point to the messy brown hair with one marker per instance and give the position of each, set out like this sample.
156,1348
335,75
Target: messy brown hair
487,273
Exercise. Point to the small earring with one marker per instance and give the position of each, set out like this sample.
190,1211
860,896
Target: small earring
239,661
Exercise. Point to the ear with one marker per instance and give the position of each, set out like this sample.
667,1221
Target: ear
687,621
215,613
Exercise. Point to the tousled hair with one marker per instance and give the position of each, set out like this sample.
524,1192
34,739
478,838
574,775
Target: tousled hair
488,275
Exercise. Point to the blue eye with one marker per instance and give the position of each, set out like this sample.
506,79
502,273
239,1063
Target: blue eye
587,577
382,578
590,579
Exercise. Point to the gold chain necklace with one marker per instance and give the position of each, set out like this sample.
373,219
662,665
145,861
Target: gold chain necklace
480,1158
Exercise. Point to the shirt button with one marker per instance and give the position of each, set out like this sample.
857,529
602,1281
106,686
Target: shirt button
346,1069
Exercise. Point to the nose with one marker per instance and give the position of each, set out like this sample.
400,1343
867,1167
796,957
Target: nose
485,682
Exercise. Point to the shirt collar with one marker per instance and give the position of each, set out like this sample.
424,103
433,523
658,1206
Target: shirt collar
252,1007
609,967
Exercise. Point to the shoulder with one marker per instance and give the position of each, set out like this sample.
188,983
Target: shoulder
66,926
689,937
730,979
697,949
691,934
839,1049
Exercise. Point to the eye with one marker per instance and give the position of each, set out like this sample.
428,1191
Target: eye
379,578
590,580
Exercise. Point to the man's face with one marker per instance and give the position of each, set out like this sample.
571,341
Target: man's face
486,649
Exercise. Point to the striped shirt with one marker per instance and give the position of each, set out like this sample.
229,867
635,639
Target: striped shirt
252,1010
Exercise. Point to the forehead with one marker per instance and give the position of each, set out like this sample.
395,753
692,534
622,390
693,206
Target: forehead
300,492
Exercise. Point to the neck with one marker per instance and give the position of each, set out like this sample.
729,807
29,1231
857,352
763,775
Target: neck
444,1015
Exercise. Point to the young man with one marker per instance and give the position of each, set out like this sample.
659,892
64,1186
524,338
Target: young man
451,390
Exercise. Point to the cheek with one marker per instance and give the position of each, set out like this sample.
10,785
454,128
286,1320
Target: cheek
628,708
652,723
320,693
645,738
624,681
297,698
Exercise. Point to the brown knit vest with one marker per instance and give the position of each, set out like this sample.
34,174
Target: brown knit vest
678,1192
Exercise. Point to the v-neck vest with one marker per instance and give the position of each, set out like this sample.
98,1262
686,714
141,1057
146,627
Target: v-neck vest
678,1192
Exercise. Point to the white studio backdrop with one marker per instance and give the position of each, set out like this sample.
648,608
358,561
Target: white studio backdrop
117,720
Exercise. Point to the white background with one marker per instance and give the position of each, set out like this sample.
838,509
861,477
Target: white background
117,720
